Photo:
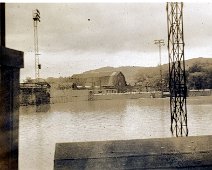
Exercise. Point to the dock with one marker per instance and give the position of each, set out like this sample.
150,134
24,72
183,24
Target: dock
193,152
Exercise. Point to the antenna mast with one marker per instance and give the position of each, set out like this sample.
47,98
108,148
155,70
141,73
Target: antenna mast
36,19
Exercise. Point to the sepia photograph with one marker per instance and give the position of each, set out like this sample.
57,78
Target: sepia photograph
105,85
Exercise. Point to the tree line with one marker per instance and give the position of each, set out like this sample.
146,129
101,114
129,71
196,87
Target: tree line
198,77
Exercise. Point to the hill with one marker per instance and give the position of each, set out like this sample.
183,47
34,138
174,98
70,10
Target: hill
199,71
133,73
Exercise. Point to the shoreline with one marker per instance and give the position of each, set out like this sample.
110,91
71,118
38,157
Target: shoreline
64,96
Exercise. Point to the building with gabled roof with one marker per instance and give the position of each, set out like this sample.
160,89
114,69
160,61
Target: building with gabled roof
102,80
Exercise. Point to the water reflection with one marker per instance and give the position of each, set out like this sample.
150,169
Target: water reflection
43,108
90,106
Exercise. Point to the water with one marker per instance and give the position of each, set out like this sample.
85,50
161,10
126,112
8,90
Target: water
100,120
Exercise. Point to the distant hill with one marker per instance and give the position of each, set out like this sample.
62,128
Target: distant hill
205,62
131,72
135,74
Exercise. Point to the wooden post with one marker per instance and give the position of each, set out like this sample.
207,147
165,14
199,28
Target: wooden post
2,24
10,63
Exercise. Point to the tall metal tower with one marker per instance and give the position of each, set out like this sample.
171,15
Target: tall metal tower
160,43
36,19
177,79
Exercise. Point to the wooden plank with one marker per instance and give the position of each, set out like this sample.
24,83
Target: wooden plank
136,154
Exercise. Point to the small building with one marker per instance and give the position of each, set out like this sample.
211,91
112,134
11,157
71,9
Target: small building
103,81
34,93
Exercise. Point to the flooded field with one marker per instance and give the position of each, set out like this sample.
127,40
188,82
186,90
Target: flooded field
42,127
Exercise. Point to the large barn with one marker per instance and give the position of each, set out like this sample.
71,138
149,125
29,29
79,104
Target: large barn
103,80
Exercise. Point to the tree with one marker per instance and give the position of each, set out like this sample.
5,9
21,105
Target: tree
196,80
209,78
199,77
196,67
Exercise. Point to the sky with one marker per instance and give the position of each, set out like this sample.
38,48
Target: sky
76,37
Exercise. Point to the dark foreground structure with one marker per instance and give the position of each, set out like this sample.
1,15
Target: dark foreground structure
10,63
162,153
177,76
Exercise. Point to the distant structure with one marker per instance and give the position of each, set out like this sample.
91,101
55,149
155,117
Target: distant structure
105,81
34,93
36,19
177,79
160,43
37,91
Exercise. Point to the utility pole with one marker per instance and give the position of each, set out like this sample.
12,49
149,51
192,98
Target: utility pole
160,43
177,78
36,19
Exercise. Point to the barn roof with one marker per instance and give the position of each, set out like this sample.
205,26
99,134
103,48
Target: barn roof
96,74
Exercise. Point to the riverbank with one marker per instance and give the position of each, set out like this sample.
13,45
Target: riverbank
69,95
161,153
64,96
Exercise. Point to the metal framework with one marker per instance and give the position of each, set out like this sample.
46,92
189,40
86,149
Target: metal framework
36,19
177,79
160,43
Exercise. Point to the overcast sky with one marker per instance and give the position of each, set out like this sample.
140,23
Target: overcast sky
116,35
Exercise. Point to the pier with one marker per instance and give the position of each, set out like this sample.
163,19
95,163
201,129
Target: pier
161,153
